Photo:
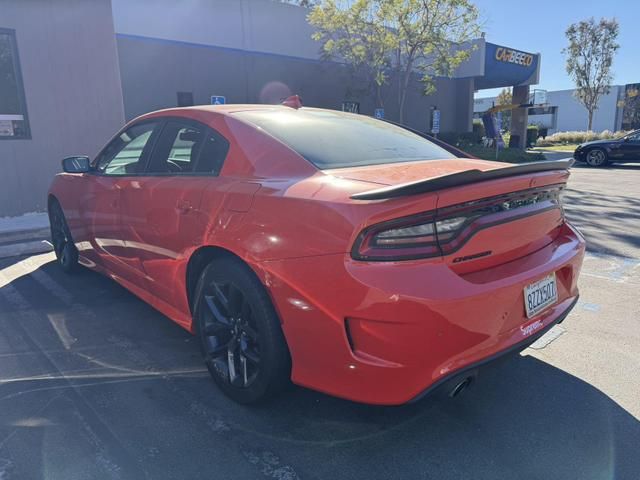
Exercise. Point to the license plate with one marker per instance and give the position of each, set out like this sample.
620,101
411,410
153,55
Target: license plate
540,295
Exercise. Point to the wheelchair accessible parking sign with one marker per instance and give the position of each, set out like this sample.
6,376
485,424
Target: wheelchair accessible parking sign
218,100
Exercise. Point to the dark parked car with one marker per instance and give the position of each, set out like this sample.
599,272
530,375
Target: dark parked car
601,152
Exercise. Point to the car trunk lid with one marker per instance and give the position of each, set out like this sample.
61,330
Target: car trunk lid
484,213
505,219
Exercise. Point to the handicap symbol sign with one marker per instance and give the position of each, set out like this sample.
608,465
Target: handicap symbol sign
218,100
379,113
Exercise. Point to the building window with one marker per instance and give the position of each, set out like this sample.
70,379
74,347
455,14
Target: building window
14,123
631,107
185,99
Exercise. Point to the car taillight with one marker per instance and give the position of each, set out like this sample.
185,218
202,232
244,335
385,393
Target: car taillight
402,239
406,239
430,235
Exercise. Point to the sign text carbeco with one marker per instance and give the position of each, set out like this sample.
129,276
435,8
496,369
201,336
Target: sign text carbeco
513,56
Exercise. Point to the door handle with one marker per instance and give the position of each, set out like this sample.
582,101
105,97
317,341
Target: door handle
183,206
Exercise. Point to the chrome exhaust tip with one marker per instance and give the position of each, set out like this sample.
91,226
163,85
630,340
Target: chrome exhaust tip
460,387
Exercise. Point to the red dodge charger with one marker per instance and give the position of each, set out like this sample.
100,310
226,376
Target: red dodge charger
344,253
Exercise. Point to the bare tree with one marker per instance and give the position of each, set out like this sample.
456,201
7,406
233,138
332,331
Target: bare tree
592,46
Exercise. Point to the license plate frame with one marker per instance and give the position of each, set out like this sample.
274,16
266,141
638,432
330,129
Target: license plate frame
540,295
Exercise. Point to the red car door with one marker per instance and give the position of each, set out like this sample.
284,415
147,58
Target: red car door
120,161
160,210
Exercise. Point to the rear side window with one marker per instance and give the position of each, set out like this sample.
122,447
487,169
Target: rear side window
336,139
214,151
177,149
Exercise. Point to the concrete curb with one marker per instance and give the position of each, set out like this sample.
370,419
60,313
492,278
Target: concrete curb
25,242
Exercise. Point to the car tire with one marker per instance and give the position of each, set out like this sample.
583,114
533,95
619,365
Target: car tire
239,333
63,245
596,157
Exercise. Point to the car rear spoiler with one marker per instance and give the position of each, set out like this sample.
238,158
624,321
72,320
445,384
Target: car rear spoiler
461,178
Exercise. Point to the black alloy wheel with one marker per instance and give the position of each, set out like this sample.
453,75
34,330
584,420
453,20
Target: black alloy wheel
63,246
240,334
597,157
230,337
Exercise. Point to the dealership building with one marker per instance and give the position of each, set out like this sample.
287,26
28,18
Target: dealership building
73,71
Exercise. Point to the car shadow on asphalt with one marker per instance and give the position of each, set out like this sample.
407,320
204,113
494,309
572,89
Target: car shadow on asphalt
608,221
614,166
523,418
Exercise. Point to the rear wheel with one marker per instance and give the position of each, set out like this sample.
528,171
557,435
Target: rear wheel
63,246
240,334
597,157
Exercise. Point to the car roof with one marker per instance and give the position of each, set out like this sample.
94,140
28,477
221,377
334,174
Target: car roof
231,108
242,107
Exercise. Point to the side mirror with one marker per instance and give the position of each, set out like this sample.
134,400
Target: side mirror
76,164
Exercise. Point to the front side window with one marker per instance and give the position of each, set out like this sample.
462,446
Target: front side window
331,139
184,148
13,110
124,155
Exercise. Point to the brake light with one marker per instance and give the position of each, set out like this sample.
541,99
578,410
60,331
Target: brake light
432,234
402,239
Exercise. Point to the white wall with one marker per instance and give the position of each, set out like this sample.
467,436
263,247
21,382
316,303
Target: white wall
573,116
253,25
481,105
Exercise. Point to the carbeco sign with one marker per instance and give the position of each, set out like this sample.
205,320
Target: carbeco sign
513,56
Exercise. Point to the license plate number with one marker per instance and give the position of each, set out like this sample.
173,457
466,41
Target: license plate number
540,295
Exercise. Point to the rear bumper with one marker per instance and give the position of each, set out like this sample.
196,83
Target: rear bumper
386,333
456,377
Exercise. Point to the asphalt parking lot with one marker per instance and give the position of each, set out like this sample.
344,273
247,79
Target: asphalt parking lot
96,384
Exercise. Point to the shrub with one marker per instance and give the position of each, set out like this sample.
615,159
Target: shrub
532,135
478,129
449,137
560,138
461,139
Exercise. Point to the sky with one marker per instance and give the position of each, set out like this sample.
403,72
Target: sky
539,26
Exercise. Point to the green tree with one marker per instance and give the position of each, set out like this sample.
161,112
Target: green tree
403,36
592,47
357,34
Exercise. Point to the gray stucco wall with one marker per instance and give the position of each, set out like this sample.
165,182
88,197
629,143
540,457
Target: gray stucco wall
251,51
72,87
154,70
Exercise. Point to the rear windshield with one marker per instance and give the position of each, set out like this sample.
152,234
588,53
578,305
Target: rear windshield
336,139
